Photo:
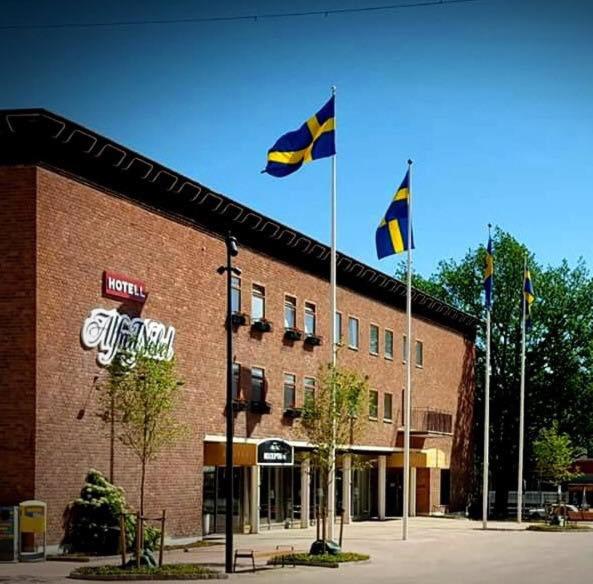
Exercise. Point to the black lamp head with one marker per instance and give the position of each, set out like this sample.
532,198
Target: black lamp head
231,242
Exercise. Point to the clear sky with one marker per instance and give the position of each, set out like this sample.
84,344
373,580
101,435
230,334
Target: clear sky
492,99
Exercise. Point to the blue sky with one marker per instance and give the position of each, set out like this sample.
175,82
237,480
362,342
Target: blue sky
492,99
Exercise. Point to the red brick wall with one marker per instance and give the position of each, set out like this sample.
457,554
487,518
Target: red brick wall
17,334
82,232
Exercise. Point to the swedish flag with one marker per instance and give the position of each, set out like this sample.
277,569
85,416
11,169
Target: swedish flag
392,233
528,297
314,139
488,274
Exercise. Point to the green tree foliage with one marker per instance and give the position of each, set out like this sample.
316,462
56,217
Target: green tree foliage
554,455
92,521
334,418
559,364
142,400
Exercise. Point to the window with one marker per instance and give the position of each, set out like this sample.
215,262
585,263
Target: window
309,318
373,404
235,294
388,407
257,384
289,390
309,390
236,380
374,340
388,344
404,348
419,354
353,332
258,302
289,312
338,328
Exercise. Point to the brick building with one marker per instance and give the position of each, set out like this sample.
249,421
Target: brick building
75,205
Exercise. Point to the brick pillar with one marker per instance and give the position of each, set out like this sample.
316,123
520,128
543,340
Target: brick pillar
254,504
381,484
305,490
347,487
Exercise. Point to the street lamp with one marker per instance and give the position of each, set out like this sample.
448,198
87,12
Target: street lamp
231,251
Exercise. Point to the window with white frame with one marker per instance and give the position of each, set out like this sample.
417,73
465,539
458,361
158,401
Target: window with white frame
257,384
388,344
289,391
289,312
258,302
419,354
388,407
309,318
353,337
235,294
309,384
374,339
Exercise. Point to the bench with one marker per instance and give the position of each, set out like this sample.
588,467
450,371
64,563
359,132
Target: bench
280,551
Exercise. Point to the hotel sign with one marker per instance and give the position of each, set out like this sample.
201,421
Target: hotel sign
275,453
123,288
111,332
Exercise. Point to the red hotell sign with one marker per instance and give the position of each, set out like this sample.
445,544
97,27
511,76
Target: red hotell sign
123,288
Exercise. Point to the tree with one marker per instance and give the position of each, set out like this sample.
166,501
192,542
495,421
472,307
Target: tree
559,351
142,400
554,455
332,419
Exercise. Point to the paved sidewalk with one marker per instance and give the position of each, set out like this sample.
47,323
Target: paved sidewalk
438,551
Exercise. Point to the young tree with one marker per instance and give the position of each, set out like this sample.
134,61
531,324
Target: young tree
554,455
332,419
142,401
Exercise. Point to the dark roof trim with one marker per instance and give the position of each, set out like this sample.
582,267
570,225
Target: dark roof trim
34,136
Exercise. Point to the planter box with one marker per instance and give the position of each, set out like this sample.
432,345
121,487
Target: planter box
239,319
313,340
293,334
259,407
293,412
261,326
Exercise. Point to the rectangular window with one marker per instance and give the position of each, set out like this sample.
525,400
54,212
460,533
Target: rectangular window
289,312
388,407
289,390
309,390
257,384
258,302
235,294
388,344
353,332
236,380
419,354
309,318
338,328
373,404
404,348
374,340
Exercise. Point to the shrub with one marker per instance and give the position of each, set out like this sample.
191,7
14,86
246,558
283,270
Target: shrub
91,522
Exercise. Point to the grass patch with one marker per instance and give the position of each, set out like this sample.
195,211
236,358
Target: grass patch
325,560
558,528
167,572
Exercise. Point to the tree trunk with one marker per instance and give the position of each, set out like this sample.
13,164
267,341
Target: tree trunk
142,480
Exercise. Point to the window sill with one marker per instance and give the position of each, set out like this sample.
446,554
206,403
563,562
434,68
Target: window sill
373,354
388,358
387,421
373,418
352,348
419,366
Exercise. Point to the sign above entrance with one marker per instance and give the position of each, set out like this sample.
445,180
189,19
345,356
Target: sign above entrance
275,453
123,288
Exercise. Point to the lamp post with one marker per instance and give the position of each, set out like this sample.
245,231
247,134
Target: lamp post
231,252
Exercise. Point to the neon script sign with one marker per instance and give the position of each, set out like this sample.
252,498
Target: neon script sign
112,332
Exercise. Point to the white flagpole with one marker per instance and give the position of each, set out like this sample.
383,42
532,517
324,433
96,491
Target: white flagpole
485,486
331,495
408,404
522,402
